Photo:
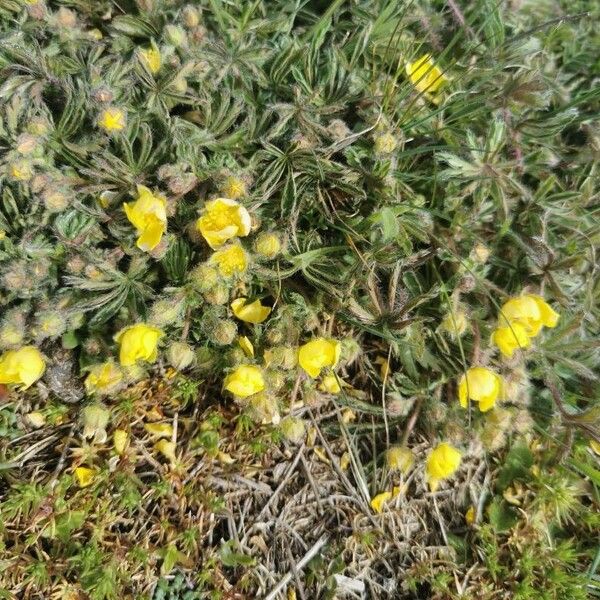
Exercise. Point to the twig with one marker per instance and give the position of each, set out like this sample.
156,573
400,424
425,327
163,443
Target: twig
303,562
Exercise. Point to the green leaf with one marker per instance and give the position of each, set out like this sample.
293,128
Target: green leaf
516,466
230,558
501,515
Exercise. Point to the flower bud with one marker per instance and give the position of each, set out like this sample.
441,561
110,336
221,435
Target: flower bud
180,355
205,359
175,35
217,295
224,332
191,16
38,126
233,187
263,408
455,323
27,143
21,170
338,130
267,245
49,324
385,143
480,253
103,95
293,429
204,277
166,312
66,18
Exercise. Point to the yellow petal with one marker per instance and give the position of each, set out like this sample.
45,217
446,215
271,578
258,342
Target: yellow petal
425,75
330,384
400,458
84,476
379,500
443,461
511,338
120,439
246,345
166,448
230,260
245,381
470,515
595,446
163,430
254,312
317,354
548,316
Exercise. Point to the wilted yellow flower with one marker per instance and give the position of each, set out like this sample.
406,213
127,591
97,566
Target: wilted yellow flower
95,419
245,381
470,515
22,367
455,323
246,345
161,430
254,312
425,75
148,214
234,187
379,500
36,419
595,446
293,429
384,366
330,384
441,464
222,220
268,245
530,311
151,58
480,385
138,342
400,458
120,440
166,448
84,476
103,379
230,260
112,119
317,354
511,338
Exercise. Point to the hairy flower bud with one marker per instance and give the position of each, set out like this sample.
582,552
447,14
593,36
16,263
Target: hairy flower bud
267,245
180,355
293,429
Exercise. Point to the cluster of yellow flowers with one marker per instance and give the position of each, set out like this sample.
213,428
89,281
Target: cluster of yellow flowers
442,462
521,318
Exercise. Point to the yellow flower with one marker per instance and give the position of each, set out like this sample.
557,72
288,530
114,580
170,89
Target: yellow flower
399,458
234,188
112,119
246,345
319,353
138,342
166,448
530,311
22,367
222,220
425,75
120,440
254,312
480,385
378,501
511,338
84,476
245,381
151,58
595,446
455,323
148,214
441,464
104,378
230,260
268,245
330,384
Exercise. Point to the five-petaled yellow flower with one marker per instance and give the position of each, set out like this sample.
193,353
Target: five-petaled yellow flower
230,260
480,385
317,354
443,461
22,367
530,311
148,214
103,379
425,75
112,119
254,312
138,342
245,381
151,58
222,220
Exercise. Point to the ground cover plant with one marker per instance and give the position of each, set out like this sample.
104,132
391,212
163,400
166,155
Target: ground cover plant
299,299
